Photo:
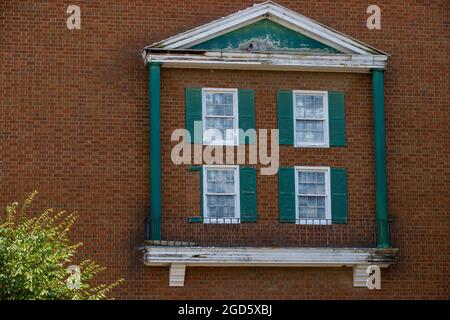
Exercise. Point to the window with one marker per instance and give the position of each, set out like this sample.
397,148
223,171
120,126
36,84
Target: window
311,118
220,116
221,194
312,189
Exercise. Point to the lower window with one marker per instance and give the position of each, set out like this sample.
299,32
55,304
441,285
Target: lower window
221,194
312,189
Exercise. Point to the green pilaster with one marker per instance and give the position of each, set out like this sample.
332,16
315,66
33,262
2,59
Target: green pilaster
380,159
154,77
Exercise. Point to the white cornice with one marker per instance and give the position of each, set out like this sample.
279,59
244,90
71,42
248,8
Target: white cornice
265,256
266,61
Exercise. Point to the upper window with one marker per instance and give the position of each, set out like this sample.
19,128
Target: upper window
311,118
220,116
313,203
221,194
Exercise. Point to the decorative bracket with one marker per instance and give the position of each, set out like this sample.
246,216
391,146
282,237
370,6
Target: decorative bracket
176,274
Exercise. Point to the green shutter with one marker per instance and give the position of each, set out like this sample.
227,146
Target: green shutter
246,103
201,193
247,186
286,194
198,218
339,195
194,112
285,116
336,119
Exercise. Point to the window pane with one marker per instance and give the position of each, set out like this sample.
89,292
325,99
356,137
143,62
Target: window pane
311,207
311,177
311,213
309,106
300,136
302,212
219,129
302,201
312,202
311,195
219,104
309,131
321,213
321,202
302,188
320,177
220,206
220,181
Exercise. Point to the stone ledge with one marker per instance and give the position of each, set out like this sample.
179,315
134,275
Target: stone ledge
183,256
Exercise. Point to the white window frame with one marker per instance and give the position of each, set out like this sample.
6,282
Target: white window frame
235,116
237,217
326,138
318,221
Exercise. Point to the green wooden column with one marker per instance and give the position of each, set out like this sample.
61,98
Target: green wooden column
154,77
380,159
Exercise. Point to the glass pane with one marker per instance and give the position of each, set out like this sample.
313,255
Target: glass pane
302,201
311,183
220,181
309,106
220,206
320,188
309,136
321,202
300,125
309,113
309,131
219,129
300,136
320,177
310,125
311,212
321,213
311,177
302,176
219,104
302,212
303,188
318,137
312,202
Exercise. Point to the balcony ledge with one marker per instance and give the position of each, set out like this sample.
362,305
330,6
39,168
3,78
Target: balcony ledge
179,257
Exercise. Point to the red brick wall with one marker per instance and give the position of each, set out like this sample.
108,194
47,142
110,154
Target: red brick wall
183,185
74,125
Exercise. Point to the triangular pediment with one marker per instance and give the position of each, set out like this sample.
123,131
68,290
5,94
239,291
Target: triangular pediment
266,27
265,36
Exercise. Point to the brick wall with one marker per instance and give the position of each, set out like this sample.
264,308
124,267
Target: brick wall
74,115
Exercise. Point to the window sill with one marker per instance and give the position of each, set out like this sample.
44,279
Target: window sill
314,222
311,146
214,220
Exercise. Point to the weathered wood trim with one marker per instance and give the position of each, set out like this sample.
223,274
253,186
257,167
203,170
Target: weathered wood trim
263,61
268,257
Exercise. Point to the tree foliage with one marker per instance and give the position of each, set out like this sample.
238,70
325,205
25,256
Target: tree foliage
35,253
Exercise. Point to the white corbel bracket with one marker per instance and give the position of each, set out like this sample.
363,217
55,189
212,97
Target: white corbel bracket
361,274
176,274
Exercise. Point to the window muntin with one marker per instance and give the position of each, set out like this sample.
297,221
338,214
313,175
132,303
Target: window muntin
221,194
312,189
311,118
220,116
